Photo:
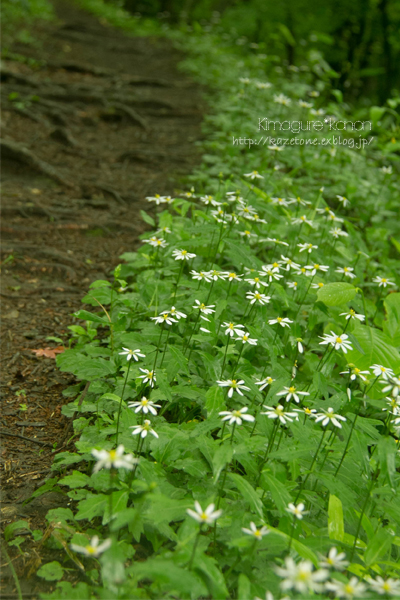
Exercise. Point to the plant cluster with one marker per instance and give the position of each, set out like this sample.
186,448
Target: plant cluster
238,433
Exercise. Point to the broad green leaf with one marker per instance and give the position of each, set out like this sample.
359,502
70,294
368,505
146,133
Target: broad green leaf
279,493
378,546
167,509
170,577
222,456
118,504
88,316
244,587
76,480
92,506
147,218
301,549
52,571
335,519
248,492
215,400
387,451
179,358
337,293
207,568
16,526
392,324
377,349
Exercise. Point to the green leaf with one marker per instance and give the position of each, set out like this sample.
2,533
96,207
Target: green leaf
147,218
215,400
222,456
93,506
88,316
248,492
16,526
76,480
244,587
170,577
52,571
207,567
378,546
387,451
179,359
279,493
337,293
335,519
167,509
377,349
392,324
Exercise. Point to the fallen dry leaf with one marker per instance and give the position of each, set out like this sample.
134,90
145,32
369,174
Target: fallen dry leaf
49,352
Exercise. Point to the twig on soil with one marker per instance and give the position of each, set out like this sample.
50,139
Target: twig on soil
22,437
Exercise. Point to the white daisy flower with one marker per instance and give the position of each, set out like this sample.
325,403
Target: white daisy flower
144,429
388,587
272,273
292,392
182,255
393,386
297,511
351,314
337,341
299,201
343,200
258,297
257,282
276,241
309,412
164,317
93,549
346,590
231,328
200,275
293,285
382,281
257,219
209,200
254,175
135,354
336,232
176,313
263,383
156,198
113,458
208,516
156,242
301,576
246,339
205,310
283,322
300,346
257,533
317,286
215,275
312,269
309,247
384,372
282,99
231,276
144,405
329,416
387,170
289,264
279,413
236,416
234,385
335,560
279,202
355,372
301,221
346,271
247,234
246,211
148,377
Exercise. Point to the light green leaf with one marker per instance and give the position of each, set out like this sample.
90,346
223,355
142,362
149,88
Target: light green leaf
215,400
337,293
377,349
16,526
244,587
92,506
207,568
335,519
88,316
76,480
52,571
387,450
378,546
248,492
279,493
147,218
222,456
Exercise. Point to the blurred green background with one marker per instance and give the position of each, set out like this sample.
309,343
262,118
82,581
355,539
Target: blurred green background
360,39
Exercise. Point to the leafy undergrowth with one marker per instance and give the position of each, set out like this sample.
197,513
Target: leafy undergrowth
238,432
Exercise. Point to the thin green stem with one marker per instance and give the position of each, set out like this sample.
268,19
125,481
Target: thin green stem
311,468
122,396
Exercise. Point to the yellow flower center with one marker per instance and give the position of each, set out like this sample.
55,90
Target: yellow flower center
232,275
245,338
257,296
308,412
247,232
384,280
257,533
234,383
349,589
203,516
256,279
90,549
202,305
184,252
113,454
279,319
320,285
144,402
339,340
275,265
292,389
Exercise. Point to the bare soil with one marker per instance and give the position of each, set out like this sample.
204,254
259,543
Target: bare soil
93,122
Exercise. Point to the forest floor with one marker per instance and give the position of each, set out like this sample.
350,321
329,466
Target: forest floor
93,122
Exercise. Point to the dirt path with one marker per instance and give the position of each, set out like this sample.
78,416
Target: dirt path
93,123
